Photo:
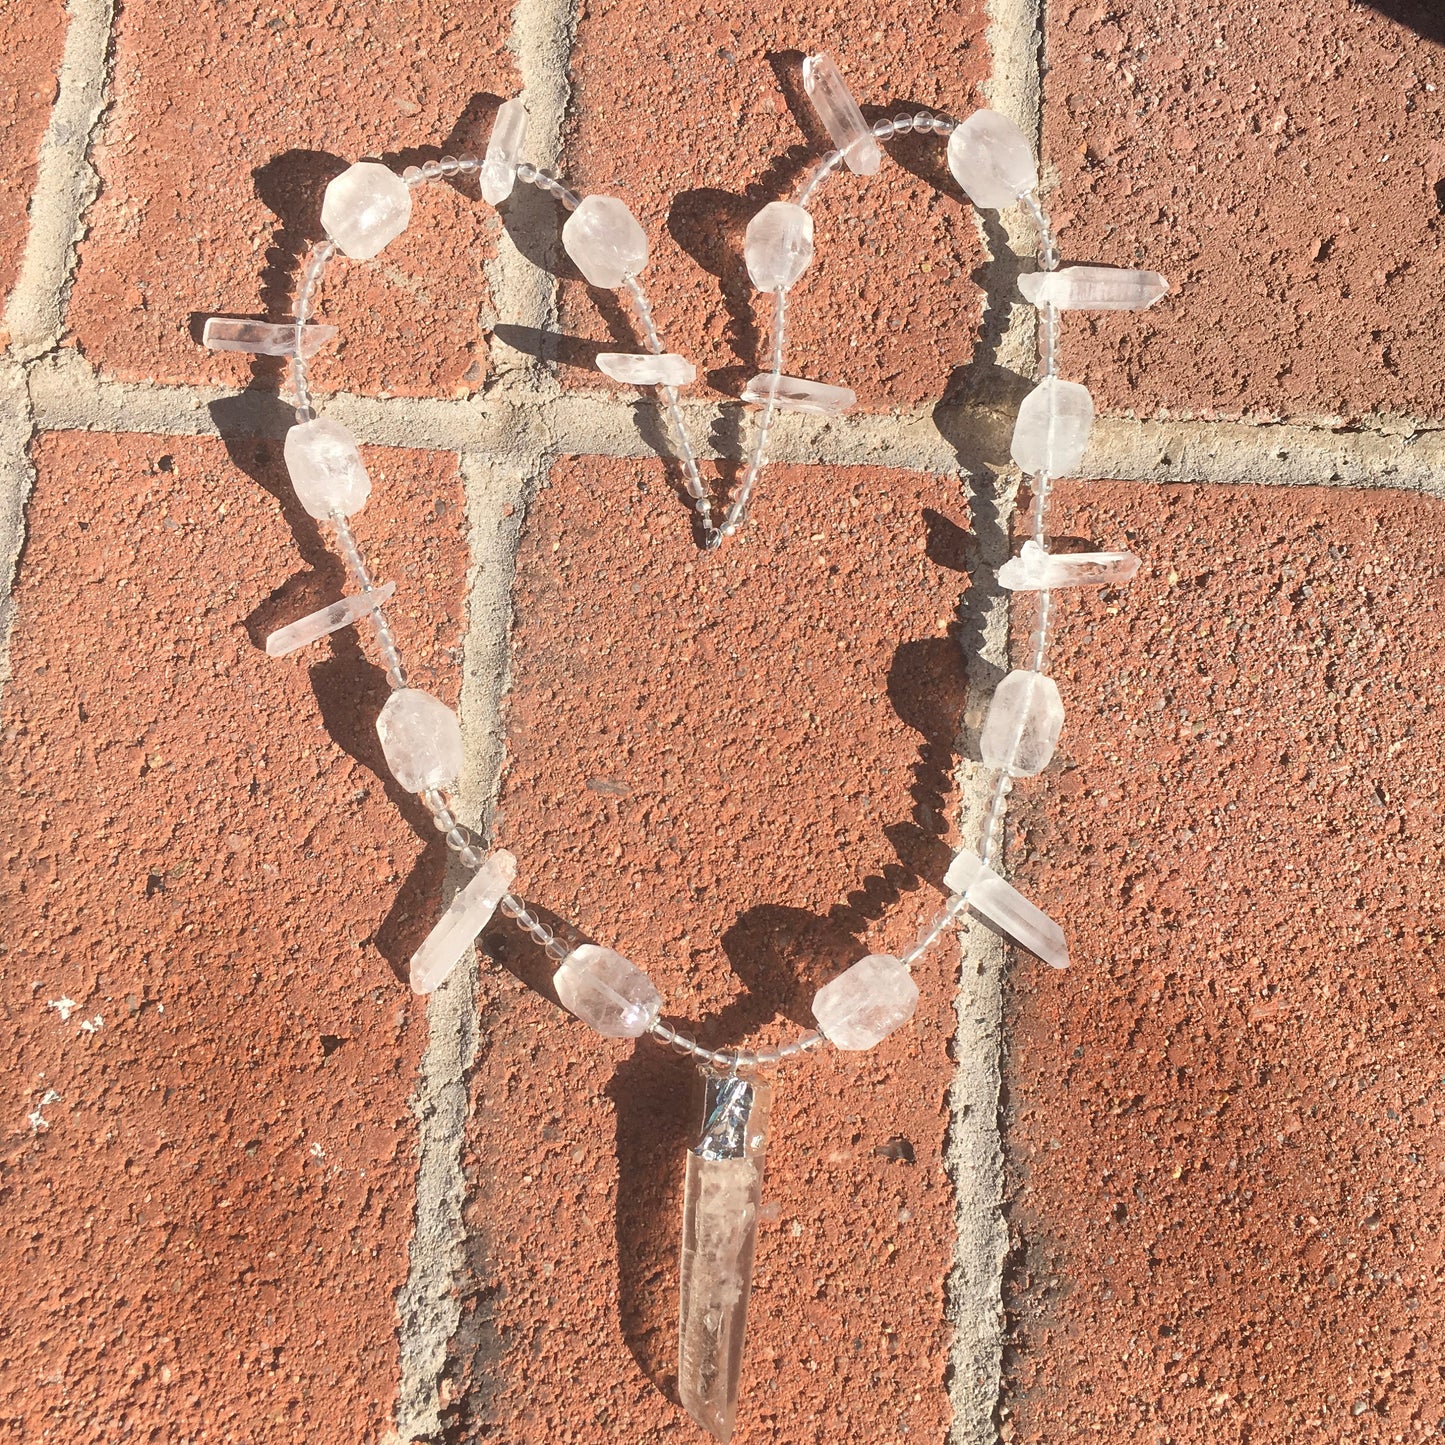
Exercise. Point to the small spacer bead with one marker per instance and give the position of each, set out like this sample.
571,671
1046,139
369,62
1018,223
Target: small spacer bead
527,172
902,124
444,820
683,1045
557,950
512,907
769,1058
469,858
457,839
923,121
467,164
395,677
883,129
431,170
661,1032
413,175
450,165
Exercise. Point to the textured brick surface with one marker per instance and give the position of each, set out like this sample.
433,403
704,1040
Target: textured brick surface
1224,1120
32,33
715,124
735,770
227,125
204,1239
1282,166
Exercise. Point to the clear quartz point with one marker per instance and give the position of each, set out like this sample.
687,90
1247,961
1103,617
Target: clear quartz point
1094,288
1052,429
504,150
793,393
645,369
719,1239
326,468
1036,570
263,338
992,160
365,207
605,242
421,738
1002,905
468,913
327,619
840,115
607,991
866,1002
778,245
1022,724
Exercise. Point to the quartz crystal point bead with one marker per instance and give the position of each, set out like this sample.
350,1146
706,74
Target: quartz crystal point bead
866,1002
840,115
607,991
605,242
645,369
1002,905
992,160
721,1195
1094,288
421,738
327,619
778,245
326,468
793,393
263,338
467,914
504,150
1052,429
1022,724
366,206
1037,570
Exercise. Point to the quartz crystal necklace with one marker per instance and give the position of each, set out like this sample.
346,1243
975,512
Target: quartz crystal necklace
369,205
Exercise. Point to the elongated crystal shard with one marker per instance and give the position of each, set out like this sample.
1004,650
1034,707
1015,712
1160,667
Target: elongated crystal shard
1007,909
719,1239
421,738
793,393
1022,725
263,338
644,369
868,1001
1035,570
840,115
467,914
504,150
365,207
326,468
1094,288
605,241
607,991
326,619
1052,429
778,245
992,160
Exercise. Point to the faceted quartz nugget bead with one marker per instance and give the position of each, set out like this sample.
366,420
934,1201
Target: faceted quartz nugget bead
1036,570
607,991
866,1002
421,738
605,242
644,369
778,245
992,160
794,393
326,468
504,150
326,619
366,206
1022,725
1094,288
840,115
263,338
1006,908
468,913
1052,429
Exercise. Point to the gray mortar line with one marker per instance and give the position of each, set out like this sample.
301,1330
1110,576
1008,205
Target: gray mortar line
505,451
975,1146
65,185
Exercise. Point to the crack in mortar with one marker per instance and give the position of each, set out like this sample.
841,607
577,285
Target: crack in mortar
66,183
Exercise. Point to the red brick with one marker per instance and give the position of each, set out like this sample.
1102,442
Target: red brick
736,770
697,132
1280,166
32,33
207,1239
223,120
1223,1129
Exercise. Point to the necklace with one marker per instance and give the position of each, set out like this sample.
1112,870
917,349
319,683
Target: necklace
369,205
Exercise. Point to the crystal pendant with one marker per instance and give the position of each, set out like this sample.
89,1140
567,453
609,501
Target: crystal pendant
719,1237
